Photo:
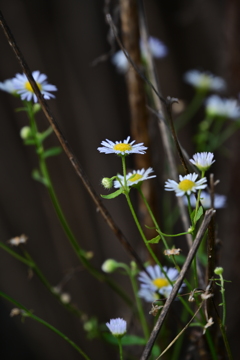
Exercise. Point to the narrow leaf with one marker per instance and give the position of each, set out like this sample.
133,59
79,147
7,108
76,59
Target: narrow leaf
112,195
155,240
199,213
38,177
126,340
52,152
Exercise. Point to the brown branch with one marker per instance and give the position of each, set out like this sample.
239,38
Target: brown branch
137,99
64,143
178,283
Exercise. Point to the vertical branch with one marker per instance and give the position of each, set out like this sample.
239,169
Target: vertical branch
157,100
137,98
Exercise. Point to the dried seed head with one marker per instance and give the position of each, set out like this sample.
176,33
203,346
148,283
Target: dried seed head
170,252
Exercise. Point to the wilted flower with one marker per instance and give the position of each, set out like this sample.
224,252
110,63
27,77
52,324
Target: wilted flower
22,239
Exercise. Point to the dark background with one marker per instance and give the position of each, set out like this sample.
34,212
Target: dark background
62,39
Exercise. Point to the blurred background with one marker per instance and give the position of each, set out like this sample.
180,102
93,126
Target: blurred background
62,39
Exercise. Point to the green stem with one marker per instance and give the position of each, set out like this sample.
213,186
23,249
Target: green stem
27,313
223,300
150,250
120,348
139,307
47,180
191,110
16,256
225,135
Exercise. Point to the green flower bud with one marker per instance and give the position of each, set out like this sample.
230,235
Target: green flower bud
218,270
107,183
25,132
36,108
109,265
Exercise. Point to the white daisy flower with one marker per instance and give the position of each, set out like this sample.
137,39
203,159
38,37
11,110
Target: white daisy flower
118,327
203,160
219,200
186,185
122,147
157,48
120,61
134,178
216,106
148,295
156,282
8,86
23,87
204,80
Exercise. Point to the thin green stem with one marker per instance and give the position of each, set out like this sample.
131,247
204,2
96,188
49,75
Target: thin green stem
139,307
16,255
120,348
150,250
191,110
47,180
26,313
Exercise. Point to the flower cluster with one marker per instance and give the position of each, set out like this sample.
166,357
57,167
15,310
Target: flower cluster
20,85
124,148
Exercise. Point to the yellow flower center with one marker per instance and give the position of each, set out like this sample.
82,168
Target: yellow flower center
135,177
186,185
160,282
122,147
28,86
204,81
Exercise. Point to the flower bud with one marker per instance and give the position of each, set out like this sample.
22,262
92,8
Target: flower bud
218,271
109,265
25,132
107,183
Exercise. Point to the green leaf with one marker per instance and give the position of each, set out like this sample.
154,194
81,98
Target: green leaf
193,215
155,351
112,195
42,136
52,152
155,240
199,213
38,177
126,340
29,142
21,109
